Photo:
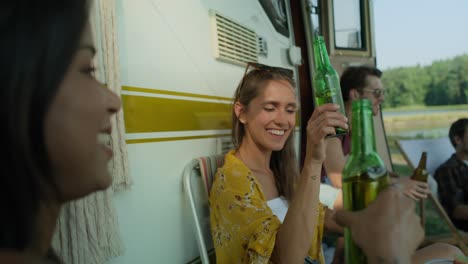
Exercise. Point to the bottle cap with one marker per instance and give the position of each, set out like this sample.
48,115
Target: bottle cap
318,39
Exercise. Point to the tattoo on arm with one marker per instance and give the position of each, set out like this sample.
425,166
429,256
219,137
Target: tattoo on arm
313,177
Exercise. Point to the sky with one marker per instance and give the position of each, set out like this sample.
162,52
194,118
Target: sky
412,32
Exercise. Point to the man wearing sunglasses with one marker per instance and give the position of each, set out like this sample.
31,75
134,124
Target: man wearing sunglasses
361,82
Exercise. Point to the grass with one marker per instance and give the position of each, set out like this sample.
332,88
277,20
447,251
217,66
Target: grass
401,123
402,169
435,225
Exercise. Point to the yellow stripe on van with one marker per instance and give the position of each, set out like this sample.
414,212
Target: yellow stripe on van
156,91
146,114
148,140
152,114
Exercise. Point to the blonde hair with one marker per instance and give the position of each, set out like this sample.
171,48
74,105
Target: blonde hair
283,163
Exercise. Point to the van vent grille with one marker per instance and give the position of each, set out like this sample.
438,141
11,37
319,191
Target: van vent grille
234,42
223,145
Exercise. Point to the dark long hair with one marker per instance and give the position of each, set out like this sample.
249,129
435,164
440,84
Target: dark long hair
283,163
38,40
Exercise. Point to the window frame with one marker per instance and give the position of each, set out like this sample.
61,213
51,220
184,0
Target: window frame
366,22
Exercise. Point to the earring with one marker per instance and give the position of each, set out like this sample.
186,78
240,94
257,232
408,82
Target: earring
242,121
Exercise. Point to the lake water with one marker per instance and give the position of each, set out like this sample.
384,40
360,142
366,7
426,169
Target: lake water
424,133
418,112
424,130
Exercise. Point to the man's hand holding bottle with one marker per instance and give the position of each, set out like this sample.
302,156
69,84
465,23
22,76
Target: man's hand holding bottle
392,234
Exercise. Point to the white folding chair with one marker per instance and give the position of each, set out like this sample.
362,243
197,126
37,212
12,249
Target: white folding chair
438,151
197,178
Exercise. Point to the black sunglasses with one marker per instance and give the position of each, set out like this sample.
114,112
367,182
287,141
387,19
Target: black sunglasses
376,92
262,67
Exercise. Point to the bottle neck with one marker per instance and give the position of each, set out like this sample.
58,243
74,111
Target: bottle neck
363,137
420,173
422,162
320,54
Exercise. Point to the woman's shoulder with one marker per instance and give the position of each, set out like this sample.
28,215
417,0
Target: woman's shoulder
233,167
234,176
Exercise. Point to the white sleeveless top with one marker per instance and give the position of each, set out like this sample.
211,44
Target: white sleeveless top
279,206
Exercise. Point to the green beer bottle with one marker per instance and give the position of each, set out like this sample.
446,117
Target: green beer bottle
364,174
420,173
326,83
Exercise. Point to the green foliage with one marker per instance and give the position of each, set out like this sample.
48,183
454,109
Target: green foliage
428,108
444,82
401,169
435,224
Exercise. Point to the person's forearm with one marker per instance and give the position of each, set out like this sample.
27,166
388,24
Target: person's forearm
461,212
387,255
295,234
334,162
388,260
333,227
338,204
335,179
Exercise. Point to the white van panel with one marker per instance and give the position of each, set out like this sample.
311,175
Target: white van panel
167,45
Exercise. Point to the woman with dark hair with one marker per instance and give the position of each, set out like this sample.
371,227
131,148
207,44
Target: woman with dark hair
56,120
262,208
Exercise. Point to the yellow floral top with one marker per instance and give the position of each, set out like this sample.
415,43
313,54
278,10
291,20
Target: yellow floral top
242,224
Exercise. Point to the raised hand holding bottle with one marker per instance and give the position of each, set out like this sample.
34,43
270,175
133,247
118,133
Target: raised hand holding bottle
326,82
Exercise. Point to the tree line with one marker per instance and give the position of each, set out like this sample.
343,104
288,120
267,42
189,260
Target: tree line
444,82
